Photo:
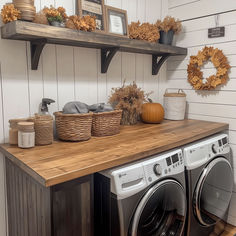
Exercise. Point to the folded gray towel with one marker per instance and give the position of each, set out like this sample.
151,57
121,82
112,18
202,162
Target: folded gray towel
75,108
79,107
100,107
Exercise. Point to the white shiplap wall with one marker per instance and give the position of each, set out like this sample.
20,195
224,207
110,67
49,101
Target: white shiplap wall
66,73
218,105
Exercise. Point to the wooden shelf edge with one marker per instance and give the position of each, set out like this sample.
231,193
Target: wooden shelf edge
39,35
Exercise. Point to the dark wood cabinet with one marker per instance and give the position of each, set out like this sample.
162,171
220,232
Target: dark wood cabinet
62,210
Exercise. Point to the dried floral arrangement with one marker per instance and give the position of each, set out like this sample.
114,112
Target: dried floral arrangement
219,60
128,98
40,18
169,23
145,31
55,14
9,13
85,23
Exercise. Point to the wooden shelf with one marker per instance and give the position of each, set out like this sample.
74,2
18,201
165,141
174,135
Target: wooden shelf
40,35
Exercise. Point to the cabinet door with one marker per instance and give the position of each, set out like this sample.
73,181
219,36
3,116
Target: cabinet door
72,208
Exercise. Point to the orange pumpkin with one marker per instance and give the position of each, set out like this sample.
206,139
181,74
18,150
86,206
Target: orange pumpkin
152,113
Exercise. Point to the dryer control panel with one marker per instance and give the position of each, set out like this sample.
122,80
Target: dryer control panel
200,153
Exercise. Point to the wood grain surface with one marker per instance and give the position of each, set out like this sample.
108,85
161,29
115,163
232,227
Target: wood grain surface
64,161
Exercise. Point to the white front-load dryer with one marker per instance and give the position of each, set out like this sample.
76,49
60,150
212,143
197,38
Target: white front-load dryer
209,183
144,198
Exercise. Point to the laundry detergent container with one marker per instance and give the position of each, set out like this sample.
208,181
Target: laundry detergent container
175,105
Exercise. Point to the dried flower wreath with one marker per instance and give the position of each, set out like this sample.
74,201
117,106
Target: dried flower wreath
145,31
219,60
9,13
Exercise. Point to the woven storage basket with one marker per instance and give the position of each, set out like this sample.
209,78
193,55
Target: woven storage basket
106,123
73,127
43,125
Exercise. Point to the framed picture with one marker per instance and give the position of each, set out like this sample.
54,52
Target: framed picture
116,21
94,8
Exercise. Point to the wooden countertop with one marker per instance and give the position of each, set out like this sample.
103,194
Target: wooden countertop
64,161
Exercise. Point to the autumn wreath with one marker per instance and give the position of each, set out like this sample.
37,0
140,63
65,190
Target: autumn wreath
219,60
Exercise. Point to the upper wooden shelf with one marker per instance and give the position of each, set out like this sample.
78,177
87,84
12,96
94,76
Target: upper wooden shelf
39,35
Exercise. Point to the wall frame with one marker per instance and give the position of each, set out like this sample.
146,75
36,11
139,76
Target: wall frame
94,8
116,21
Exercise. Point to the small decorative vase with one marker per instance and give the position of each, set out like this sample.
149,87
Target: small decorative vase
166,37
57,24
129,118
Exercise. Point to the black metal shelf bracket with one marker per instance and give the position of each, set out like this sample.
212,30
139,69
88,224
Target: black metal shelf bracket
36,48
157,62
106,56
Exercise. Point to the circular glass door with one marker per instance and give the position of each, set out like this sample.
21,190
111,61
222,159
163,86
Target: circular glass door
161,211
213,192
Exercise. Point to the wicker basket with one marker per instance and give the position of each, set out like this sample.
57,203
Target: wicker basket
73,127
106,123
43,125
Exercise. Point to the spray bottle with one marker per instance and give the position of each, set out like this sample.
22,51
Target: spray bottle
43,107
43,111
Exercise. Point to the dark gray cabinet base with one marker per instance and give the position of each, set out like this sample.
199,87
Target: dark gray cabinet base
61,210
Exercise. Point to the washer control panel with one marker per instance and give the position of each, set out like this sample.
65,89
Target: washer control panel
163,166
132,178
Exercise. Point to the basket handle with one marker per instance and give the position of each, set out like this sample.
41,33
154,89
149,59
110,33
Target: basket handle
179,90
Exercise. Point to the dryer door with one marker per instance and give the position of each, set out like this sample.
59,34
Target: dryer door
161,211
213,192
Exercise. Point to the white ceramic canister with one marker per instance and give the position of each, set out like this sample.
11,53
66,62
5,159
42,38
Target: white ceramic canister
26,135
175,105
13,131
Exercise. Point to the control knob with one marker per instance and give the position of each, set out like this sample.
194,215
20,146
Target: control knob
157,169
213,148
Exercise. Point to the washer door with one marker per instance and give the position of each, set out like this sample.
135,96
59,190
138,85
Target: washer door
213,192
161,211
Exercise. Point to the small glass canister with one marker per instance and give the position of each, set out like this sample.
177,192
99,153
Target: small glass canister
13,131
26,135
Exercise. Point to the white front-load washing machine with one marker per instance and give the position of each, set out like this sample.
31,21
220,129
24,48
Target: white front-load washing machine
144,198
209,183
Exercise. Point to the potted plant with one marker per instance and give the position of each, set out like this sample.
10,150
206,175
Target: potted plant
10,13
128,98
168,27
55,16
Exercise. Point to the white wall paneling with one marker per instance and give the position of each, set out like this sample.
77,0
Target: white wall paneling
177,3
68,73
218,105
188,9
